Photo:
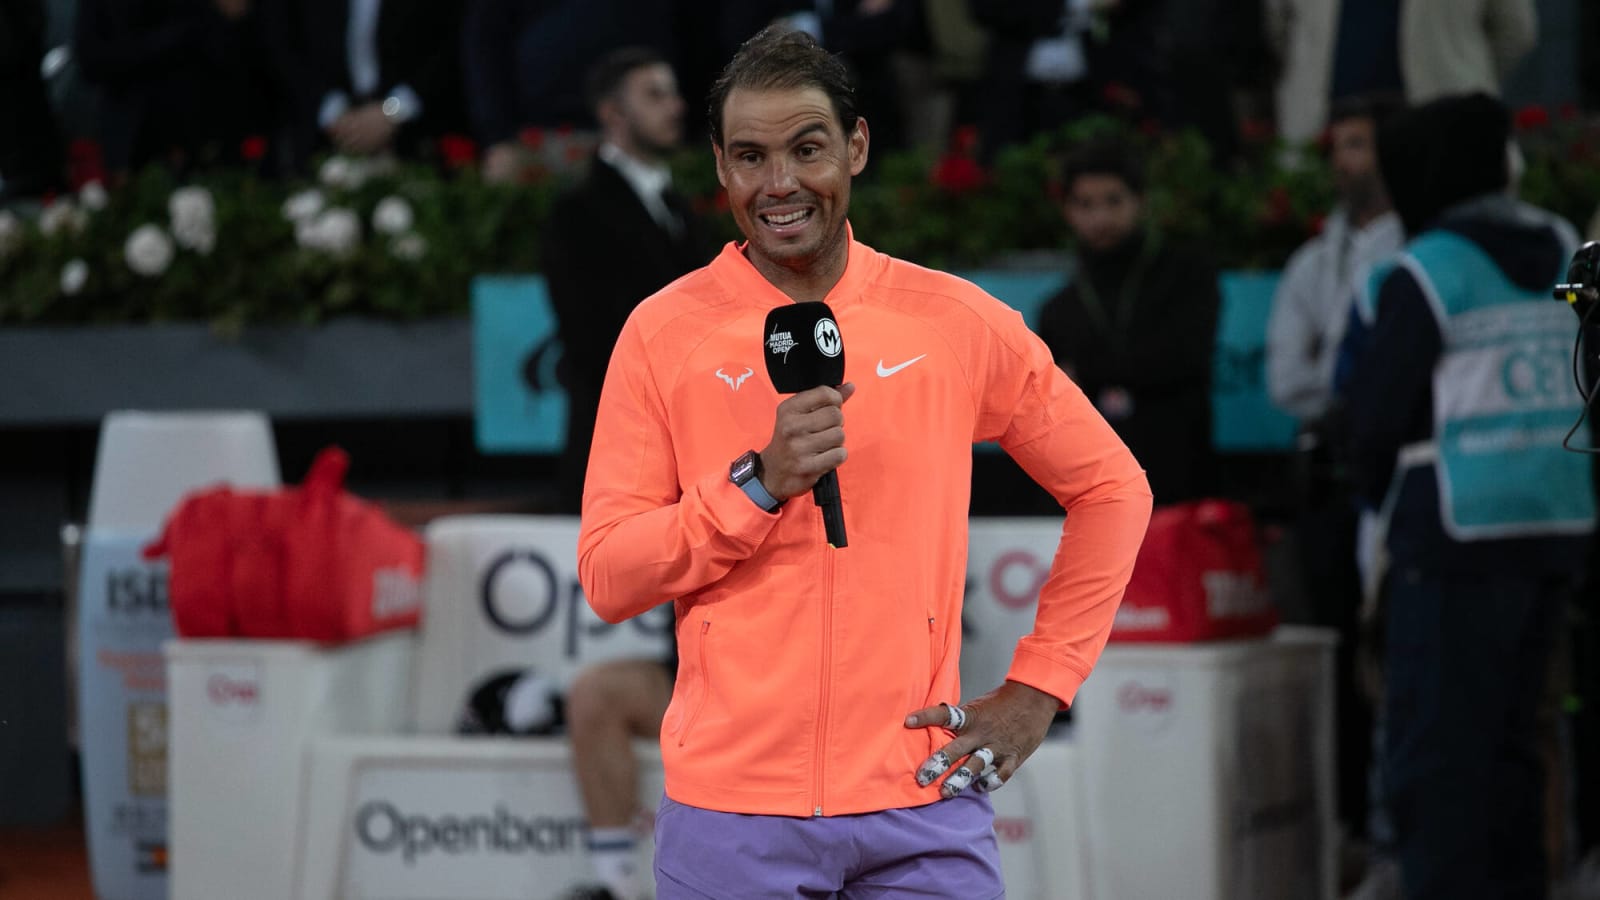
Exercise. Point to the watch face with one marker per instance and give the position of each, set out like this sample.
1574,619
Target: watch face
742,468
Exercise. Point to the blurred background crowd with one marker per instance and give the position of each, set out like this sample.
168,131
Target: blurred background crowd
273,83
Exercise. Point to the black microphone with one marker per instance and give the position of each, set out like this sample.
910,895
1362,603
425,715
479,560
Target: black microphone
804,349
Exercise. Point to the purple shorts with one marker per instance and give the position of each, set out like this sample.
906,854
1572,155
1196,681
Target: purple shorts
944,849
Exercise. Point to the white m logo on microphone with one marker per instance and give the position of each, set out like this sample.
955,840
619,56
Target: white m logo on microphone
735,382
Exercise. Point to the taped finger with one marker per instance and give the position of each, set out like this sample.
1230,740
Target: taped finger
957,718
989,781
932,768
957,782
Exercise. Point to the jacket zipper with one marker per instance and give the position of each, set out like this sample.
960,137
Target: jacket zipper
827,665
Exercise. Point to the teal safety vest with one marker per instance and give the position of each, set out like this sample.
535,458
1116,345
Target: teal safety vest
1503,398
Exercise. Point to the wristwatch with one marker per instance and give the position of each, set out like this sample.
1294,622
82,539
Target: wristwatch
746,473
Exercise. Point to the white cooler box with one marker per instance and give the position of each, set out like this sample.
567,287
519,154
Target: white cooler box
243,714
1208,770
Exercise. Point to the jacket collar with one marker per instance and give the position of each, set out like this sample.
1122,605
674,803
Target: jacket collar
736,273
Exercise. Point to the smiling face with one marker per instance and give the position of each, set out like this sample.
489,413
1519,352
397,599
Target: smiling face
787,163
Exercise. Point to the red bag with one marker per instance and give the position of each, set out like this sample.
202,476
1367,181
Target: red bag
1199,576
311,563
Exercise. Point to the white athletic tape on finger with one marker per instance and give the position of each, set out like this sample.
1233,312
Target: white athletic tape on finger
957,782
957,718
933,768
989,781
985,754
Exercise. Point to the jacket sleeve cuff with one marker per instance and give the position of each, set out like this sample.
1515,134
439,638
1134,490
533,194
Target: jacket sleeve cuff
736,512
1054,677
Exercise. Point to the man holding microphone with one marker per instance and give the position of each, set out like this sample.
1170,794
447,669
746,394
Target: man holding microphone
816,741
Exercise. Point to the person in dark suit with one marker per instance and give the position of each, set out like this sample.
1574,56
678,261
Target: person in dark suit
182,81
367,76
614,239
618,236
1051,61
1135,327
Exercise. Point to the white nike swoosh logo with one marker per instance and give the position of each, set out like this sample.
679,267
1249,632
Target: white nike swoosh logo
886,371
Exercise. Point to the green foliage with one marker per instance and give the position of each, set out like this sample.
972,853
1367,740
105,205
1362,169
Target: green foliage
942,211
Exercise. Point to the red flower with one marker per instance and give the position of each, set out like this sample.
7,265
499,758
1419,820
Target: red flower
1149,127
1255,131
1531,117
85,163
1568,112
1278,207
1118,95
564,129
964,140
958,174
720,202
253,148
532,138
1315,226
457,151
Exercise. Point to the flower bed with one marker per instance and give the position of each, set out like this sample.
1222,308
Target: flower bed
403,241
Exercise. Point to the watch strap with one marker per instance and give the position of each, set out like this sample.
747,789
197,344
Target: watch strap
756,491
746,473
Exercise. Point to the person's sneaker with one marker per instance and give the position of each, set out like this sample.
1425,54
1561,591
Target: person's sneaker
590,892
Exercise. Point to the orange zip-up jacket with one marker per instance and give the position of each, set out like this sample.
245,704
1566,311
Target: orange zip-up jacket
798,663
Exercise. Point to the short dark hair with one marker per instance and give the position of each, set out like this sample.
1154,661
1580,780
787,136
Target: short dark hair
778,58
1444,152
1378,106
606,76
1104,155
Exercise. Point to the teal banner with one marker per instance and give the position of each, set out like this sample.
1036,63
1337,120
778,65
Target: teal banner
521,407
1243,419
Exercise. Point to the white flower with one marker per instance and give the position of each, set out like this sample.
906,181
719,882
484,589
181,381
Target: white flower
335,171
303,206
93,196
393,216
10,232
148,251
343,172
59,216
409,247
335,231
194,218
73,276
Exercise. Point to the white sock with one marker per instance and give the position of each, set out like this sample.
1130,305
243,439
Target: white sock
614,853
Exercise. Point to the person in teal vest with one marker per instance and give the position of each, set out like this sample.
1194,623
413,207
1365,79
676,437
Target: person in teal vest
1457,373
